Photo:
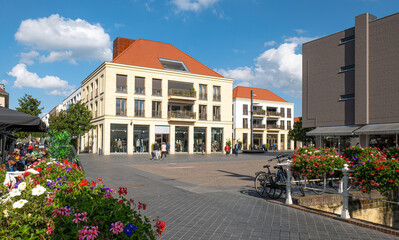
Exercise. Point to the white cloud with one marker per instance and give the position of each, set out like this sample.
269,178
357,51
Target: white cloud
300,31
3,82
56,92
65,38
24,78
28,57
269,43
279,67
193,5
299,40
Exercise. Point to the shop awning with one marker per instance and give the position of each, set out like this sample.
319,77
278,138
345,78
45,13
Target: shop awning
333,131
386,128
14,121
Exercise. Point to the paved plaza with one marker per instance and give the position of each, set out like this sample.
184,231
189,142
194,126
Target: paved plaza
212,197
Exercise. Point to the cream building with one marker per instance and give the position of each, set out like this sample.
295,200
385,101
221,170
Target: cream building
272,118
153,92
4,97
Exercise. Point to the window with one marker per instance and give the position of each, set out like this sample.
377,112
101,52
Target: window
139,85
245,123
173,65
289,113
92,89
139,108
140,138
347,39
282,112
95,109
347,97
245,109
282,125
118,138
121,83
217,139
96,87
156,109
216,113
181,139
121,107
156,87
202,112
289,126
202,92
347,68
216,93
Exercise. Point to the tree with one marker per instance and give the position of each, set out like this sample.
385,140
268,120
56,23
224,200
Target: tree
299,134
29,105
76,120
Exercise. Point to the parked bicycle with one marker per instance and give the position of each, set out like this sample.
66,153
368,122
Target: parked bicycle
274,184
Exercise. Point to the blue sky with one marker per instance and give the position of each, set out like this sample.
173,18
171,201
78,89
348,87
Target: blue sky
49,47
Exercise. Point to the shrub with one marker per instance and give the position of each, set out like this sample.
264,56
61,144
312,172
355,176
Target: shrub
59,203
59,145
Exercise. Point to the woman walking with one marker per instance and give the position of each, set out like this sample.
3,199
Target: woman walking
163,150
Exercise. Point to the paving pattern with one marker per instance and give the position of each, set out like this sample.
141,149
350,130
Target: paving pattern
200,210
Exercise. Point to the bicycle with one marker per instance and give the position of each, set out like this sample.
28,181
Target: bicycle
273,184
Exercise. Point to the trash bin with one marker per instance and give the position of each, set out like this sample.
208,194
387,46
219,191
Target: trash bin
100,151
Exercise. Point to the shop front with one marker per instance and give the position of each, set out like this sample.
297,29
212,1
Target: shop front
140,138
217,139
118,138
181,139
199,139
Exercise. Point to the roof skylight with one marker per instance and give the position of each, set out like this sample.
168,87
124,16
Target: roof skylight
173,65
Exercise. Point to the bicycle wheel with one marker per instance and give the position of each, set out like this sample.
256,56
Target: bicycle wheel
299,184
260,184
273,189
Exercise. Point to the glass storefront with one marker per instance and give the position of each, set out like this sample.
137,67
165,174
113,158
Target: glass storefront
160,138
181,139
217,139
272,141
282,141
199,139
118,138
245,141
258,141
382,141
140,138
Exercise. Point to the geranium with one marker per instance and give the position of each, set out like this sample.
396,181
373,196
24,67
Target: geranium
15,192
19,203
117,227
160,227
84,182
122,191
38,190
49,230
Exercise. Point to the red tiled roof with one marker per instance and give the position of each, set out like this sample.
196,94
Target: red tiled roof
145,53
297,119
259,93
2,91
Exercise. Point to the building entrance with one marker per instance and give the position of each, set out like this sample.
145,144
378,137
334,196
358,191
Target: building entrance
272,141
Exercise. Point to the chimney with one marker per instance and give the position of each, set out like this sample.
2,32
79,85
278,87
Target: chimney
120,44
2,86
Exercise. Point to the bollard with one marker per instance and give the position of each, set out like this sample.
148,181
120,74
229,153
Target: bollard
345,194
288,199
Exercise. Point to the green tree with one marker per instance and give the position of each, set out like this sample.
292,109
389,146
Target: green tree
29,105
76,120
297,133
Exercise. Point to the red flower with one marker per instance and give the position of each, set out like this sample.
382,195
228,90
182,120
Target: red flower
39,169
364,190
390,180
93,183
84,182
396,170
69,191
120,201
122,191
49,168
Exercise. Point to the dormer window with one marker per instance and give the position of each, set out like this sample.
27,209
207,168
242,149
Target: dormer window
173,65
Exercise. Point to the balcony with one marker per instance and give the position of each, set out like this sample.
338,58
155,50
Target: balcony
181,116
182,94
139,113
202,116
259,126
274,127
274,114
156,114
203,96
260,112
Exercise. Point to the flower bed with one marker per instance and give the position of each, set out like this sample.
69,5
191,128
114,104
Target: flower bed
59,203
372,169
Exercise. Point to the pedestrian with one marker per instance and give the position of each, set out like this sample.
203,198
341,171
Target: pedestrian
236,148
167,147
227,149
163,150
203,147
30,147
155,151
275,147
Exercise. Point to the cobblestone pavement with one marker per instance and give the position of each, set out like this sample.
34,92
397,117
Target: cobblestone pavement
229,210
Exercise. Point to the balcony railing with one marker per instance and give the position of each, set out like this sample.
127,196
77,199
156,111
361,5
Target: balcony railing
260,112
203,96
182,93
157,114
139,91
216,98
139,113
274,126
216,118
289,115
274,114
202,116
181,115
259,126
156,92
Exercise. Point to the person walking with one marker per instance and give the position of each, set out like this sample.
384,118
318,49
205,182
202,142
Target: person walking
227,149
155,151
203,148
167,148
236,148
163,150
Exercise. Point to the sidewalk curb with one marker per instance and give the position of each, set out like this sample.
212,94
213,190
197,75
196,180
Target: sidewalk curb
357,222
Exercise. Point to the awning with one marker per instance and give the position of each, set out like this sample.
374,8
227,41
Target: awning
11,121
386,128
333,131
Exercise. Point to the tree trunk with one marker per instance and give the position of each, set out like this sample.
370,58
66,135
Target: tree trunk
78,148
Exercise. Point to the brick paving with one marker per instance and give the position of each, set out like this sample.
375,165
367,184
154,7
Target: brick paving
206,210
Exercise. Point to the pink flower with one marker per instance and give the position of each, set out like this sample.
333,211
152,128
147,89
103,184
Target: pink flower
87,233
49,230
117,227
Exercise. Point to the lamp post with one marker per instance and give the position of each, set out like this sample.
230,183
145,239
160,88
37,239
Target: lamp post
252,120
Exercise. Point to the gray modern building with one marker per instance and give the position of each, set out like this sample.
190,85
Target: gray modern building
350,84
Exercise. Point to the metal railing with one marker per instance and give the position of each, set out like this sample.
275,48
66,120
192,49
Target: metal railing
259,125
182,93
273,126
203,96
216,117
181,114
274,114
202,116
139,91
157,114
156,92
217,98
139,113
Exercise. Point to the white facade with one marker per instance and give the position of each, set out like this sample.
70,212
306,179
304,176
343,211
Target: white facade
272,121
75,97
